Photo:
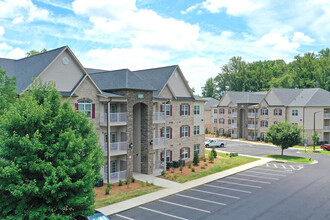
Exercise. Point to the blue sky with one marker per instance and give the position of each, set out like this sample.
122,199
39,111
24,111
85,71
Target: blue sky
200,36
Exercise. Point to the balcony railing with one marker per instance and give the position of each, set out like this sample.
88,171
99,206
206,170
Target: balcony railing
327,128
234,114
234,125
158,143
116,148
115,118
326,115
115,177
252,126
234,135
159,117
253,115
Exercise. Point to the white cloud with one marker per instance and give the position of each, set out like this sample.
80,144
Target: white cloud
301,38
2,30
278,42
4,46
16,53
233,7
25,8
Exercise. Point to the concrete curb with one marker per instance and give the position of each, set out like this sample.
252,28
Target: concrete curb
131,203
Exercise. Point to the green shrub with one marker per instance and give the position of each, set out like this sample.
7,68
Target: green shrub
147,183
211,157
202,167
109,185
142,183
193,169
204,159
189,165
175,176
107,190
127,181
133,180
152,184
214,152
120,183
196,158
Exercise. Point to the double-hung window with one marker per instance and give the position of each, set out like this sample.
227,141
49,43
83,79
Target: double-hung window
294,112
196,148
215,121
222,111
168,132
221,121
184,109
168,156
184,131
184,153
278,111
196,109
215,111
196,129
85,107
264,123
264,111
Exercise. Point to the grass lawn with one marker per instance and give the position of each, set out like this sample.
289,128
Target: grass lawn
121,196
308,147
293,159
223,162
315,152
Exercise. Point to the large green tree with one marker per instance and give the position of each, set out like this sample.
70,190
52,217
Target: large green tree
209,89
284,135
50,158
8,92
35,52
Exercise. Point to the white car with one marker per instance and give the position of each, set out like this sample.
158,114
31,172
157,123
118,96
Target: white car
214,143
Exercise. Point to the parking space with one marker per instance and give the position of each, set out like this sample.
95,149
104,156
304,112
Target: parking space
200,202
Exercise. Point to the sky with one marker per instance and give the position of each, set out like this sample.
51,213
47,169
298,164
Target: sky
198,35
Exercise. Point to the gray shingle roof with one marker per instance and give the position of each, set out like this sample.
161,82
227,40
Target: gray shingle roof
28,68
246,97
285,96
157,77
119,79
210,102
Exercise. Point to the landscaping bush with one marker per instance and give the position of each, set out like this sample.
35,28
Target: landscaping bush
193,169
202,167
107,190
163,173
147,183
142,183
217,133
204,159
133,180
181,168
120,183
214,152
109,185
211,157
189,165
127,181
196,158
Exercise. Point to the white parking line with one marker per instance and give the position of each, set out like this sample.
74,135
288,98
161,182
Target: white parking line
204,200
188,207
220,187
270,178
239,184
283,166
274,165
255,181
292,167
213,193
121,216
251,171
163,213
272,170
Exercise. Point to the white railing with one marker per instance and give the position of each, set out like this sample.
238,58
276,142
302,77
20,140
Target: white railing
116,148
234,114
326,115
114,117
234,125
158,165
159,117
115,177
158,143
252,126
234,135
327,128
253,115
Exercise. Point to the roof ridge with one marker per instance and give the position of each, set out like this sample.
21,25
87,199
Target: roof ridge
106,71
316,89
43,53
156,68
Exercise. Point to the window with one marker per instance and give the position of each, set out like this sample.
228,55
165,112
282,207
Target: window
215,120
264,124
264,111
168,109
221,131
185,153
229,121
196,109
277,111
222,111
168,132
184,131
184,109
168,156
229,111
113,137
196,129
113,166
85,107
215,130
215,111
294,112
221,121
196,148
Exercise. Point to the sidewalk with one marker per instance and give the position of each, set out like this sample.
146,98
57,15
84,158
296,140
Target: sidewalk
173,187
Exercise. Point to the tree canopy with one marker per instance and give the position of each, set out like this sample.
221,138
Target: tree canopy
284,135
310,70
8,92
50,158
35,52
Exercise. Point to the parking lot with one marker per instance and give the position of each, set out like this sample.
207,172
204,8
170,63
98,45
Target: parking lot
217,198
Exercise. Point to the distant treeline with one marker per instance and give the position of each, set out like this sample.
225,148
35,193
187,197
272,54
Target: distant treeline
311,70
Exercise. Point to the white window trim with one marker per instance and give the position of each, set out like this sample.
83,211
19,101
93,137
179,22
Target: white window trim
82,108
184,131
184,153
197,148
196,130
196,109
184,109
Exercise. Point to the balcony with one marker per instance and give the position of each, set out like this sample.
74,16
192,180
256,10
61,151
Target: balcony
234,114
252,126
159,117
158,143
234,125
327,128
115,119
253,115
234,135
116,148
326,115
115,177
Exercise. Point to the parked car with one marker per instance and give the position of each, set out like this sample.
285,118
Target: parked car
97,216
325,147
214,143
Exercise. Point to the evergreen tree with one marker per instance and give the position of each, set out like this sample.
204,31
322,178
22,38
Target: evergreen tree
50,158
196,158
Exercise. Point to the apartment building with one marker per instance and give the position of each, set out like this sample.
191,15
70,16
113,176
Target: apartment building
209,102
137,114
248,115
